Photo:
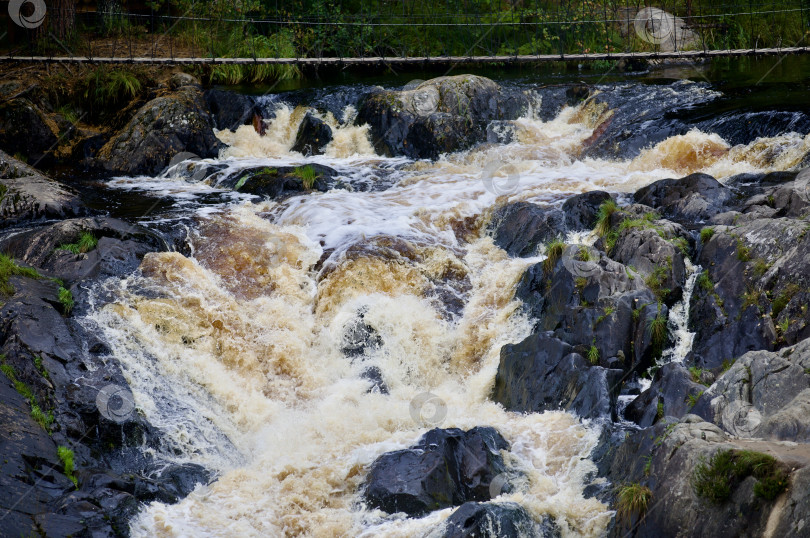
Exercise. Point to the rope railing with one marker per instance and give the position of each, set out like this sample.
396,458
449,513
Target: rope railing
416,31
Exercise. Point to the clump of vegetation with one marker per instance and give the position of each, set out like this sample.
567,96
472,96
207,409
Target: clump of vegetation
704,282
607,311
782,300
727,364
554,251
716,479
633,499
655,281
593,355
8,269
659,410
66,456
606,211
696,373
307,175
692,399
242,44
43,419
658,332
706,234
104,89
86,242
743,251
584,254
761,267
66,298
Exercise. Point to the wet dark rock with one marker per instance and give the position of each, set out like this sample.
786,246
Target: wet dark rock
441,115
120,247
283,181
502,520
690,200
657,254
599,303
577,93
754,291
360,338
375,377
580,210
313,136
26,194
673,388
543,373
521,228
24,129
445,468
167,125
229,110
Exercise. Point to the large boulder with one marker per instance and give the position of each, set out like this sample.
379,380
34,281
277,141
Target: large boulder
754,289
520,228
665,459
673,393
169,124
230,110
24,129
58,249
313,136
445,468
690,200
542,373
591,301
280,182
26,194
441,115
497,520
764,395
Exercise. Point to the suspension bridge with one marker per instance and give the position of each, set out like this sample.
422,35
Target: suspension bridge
529,31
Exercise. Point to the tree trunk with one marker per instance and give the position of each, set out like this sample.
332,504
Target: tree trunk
61,17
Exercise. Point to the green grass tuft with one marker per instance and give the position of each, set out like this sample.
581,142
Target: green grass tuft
716,479
606,211
307,175
86,242
705,283
66,298
554,251
706,234
658,332
8,269
633,499
593,355
743,251
67,458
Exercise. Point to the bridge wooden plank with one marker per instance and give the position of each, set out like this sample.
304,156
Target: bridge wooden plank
527,58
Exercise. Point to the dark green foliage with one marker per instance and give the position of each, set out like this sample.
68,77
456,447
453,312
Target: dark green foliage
86,242
716,479
706,234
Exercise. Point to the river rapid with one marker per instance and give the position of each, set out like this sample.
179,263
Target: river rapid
237,350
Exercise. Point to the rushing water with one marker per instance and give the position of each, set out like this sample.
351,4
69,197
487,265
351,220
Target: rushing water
235,351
